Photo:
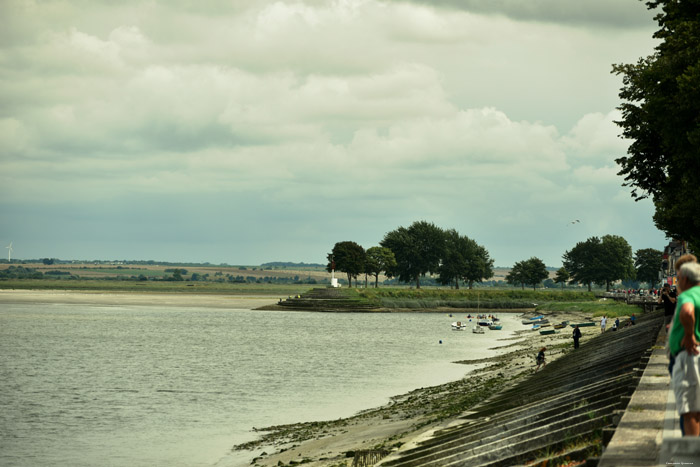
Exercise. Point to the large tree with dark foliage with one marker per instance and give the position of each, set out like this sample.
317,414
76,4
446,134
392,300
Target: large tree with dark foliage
378,260
464,260
647,261
602,261
661,117
348,257
418,250
530,271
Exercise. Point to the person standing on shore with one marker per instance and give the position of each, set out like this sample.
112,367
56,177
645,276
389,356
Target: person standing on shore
603,321
577,336
541,359
668,299
684,339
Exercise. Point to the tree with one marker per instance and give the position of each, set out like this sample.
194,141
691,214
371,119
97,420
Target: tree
584,261
348,257
600,261
535,272
418,250
464,260
378,260
531,272
562,277
647,262
618,263
661,117
517,274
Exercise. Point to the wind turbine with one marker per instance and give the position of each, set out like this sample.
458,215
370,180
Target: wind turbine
9,252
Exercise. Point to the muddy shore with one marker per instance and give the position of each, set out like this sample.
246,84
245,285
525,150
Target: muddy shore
406,417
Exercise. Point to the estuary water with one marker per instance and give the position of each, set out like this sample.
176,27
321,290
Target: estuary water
84,385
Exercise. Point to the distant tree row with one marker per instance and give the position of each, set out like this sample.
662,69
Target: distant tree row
410,253
597,260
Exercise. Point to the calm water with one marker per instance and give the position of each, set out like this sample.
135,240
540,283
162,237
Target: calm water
149,386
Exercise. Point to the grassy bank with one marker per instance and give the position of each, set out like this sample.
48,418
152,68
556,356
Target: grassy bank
465,298
609,308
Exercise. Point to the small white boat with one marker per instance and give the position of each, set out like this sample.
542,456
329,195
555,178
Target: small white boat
484,322
478,330
459,326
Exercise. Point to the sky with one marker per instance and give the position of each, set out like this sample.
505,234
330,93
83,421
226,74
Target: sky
250,131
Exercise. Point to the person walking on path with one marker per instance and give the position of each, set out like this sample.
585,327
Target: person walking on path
668,299
603,321
684,339
541,359
577,336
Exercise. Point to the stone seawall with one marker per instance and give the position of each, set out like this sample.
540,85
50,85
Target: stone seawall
565,413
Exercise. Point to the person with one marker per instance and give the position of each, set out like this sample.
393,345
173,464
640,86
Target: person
687,258
668,299
602,323
577,336
541,359
633,319
684,339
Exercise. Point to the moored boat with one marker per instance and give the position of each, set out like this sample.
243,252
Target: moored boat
459,326
496,327
545,332
583,325
561,325
478,329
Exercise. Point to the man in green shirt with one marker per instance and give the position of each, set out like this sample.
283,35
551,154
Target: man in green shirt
684,339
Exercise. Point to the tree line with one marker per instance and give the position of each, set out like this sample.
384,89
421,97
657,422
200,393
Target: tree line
409,253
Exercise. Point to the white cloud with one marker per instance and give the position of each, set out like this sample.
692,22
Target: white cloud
355,113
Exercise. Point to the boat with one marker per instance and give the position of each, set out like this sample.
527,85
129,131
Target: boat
546,332
561,325
533,319
583,325
478,329
535,327
484,322
496,327
459,326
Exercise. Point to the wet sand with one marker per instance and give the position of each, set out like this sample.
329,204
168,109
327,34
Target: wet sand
411,417
245,302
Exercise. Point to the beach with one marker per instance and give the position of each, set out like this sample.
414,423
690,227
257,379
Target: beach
135,298
410,417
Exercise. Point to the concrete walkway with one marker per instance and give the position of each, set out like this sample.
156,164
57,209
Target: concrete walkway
648,433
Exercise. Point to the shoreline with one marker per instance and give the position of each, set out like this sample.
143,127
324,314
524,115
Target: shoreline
407,417
400,422
70,297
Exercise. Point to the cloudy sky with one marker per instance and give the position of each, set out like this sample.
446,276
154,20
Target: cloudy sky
248,131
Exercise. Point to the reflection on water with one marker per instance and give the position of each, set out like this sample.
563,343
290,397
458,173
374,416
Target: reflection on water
86,385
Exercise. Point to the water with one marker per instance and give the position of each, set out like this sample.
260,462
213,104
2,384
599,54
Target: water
88,385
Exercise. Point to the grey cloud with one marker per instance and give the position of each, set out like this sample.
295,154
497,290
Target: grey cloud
601,13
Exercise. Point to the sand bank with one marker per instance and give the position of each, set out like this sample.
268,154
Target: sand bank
245,302
409,417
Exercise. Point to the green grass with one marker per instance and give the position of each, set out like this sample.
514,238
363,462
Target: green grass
488,299
609,308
